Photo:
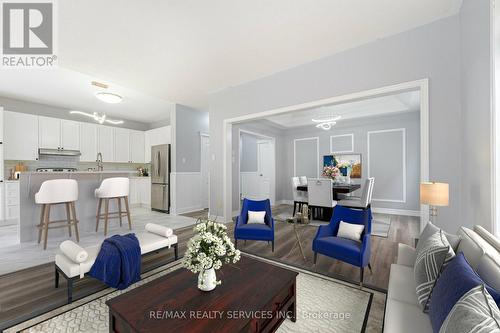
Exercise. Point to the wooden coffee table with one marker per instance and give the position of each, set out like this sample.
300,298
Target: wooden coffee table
254,297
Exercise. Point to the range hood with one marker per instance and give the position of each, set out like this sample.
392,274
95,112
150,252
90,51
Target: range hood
58,152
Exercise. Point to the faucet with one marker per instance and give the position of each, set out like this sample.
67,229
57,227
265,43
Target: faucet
99,162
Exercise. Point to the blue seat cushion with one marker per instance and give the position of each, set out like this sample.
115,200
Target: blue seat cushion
456,279
339,248
254,231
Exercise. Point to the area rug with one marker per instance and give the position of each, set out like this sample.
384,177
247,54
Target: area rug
381,224
323,305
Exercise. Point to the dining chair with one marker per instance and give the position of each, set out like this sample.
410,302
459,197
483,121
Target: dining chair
320,193
362,202
299,197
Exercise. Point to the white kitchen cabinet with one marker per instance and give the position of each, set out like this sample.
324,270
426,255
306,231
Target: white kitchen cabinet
20,136
49,133
140,191
88,142
122,145
12,204
134,191
137,146
106,142
156,136
70,135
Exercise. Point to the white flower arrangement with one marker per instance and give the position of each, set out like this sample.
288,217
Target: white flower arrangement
343,164
210,247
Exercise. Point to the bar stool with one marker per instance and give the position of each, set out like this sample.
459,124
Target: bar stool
55,192
112,188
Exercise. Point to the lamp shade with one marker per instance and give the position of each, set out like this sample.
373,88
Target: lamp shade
435,194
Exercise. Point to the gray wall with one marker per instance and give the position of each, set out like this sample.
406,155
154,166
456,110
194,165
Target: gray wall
387,185
189,124
431,51
15,105
476,99
248,153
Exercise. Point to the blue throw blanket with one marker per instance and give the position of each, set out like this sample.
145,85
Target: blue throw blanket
118,263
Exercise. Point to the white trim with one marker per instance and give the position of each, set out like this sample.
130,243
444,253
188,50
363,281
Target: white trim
202,136
368,134
285,202
391,211
422,85
342,151
495,122
295,155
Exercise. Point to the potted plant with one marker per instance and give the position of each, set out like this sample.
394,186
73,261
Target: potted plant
207,251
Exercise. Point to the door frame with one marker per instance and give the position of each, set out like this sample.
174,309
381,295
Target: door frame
205,135
422,85
273,182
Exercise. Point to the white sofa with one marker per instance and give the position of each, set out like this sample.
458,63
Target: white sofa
74,263
403,313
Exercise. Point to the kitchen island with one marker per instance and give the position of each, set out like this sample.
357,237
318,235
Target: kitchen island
86,206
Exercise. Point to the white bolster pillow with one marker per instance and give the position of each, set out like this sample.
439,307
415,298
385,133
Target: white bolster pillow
159,230
73,251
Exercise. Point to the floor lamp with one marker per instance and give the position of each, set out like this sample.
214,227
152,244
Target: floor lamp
435,195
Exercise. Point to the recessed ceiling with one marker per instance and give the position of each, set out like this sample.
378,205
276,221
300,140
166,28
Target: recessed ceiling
72,90
385,105
182,50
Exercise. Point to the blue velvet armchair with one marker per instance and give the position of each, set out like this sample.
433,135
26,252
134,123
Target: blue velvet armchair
252,231
355,253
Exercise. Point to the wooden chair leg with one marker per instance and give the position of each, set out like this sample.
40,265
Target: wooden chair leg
75,221
68,218
315,257
361,271
370,268
128,213
106,213
294,208
46,225
120,210
98,216
40,227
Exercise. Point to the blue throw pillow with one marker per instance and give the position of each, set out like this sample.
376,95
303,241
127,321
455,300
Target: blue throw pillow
455,280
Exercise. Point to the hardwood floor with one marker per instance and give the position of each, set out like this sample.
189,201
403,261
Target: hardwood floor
28,292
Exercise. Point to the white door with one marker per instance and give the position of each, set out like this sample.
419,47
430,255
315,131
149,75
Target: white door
88,142
137,154
122,145
265,155
49,132
70,135
106,143
20,136
205,169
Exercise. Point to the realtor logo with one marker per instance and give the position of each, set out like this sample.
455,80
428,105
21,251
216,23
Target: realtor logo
28,34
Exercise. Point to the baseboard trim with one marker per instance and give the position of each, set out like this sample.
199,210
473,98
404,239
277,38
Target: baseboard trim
186,210
284,202
392,211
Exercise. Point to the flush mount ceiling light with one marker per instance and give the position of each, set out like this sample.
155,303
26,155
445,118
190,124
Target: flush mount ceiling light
326,122
107,97
101,119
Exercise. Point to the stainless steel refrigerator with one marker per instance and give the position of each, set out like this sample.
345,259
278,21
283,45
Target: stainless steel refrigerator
160,178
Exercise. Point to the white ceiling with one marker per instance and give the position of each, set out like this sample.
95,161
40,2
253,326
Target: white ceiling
72,90
385,105
182,50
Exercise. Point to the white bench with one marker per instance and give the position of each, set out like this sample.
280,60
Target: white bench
74,261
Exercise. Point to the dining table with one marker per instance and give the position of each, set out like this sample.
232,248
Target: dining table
325,213
337,188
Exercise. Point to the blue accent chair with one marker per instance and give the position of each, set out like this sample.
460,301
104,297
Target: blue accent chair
355,253
261,232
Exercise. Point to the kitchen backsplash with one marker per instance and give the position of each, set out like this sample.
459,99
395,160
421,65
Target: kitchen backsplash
69,162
